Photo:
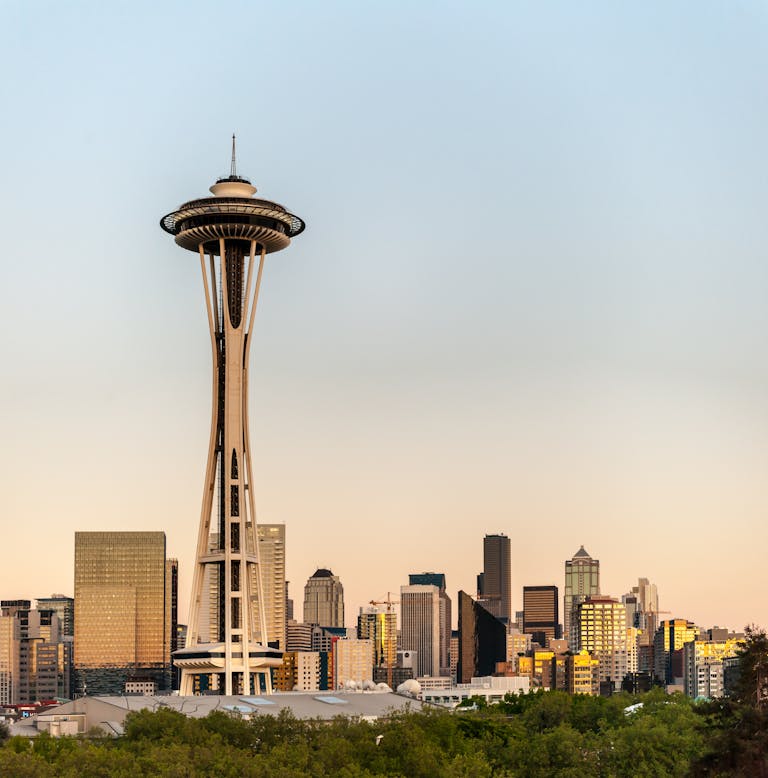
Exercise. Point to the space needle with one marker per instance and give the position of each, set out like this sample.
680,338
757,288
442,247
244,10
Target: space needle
232,232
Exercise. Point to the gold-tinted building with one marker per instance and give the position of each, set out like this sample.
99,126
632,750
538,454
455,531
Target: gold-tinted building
124,602
380,627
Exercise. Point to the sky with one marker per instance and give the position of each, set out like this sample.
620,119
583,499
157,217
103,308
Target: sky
530,299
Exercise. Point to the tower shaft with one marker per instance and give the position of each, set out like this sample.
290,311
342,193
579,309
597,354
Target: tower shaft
227,579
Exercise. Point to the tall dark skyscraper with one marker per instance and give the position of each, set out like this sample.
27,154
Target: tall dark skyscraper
227,635
494,583
482,640
540,613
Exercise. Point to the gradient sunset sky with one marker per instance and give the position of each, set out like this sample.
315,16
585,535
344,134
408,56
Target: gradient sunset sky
532,296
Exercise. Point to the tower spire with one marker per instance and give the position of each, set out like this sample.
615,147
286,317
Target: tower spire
233,169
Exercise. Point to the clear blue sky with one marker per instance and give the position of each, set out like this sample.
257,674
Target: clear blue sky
531,297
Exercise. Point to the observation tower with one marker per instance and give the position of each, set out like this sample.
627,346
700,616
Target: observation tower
232,232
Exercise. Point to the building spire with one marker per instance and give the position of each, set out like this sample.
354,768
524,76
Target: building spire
233,169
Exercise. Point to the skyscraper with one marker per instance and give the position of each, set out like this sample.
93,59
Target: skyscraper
324,599
582,580
272,551
420,606
122,626
494,583
482,641
540,613
232,233
379,625
446,616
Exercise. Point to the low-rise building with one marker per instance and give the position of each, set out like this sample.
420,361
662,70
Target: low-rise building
491,688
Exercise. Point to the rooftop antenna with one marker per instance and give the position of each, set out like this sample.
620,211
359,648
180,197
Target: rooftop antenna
233,171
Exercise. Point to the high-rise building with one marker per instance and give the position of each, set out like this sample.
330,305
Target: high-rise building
231,232
380,627
10,639
540,614
603,632
582,580
668,642
122,627
703,666
64,608
352,661
272,553
495,582
35,658
482,641
45,657
420,611
582,674
438,579
324,599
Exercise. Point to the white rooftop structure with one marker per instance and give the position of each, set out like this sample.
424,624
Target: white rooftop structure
108,713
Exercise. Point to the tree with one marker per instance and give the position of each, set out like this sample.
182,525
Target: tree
752,688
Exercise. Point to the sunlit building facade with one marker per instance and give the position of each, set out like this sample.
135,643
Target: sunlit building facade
380,627
272,553
352,661
668,643
703,666
122,623
602,625
324,599
582,580
582,674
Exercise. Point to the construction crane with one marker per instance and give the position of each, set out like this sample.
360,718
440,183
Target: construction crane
389,602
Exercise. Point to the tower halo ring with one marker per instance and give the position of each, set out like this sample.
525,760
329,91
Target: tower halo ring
212,218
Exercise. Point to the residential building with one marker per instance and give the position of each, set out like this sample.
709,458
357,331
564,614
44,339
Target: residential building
582,674
540,614
299,636
121,606
602,625
582,580
272,558
10,639
703,665
352,662
518,644
482,640
324,599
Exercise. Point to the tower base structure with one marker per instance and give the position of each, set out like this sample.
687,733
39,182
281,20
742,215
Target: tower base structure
211,659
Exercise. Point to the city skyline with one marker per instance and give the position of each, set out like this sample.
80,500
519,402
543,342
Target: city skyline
569,333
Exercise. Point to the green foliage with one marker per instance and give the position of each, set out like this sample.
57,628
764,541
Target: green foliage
542,734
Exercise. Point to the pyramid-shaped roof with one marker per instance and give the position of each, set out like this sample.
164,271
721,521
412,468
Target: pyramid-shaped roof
581,554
